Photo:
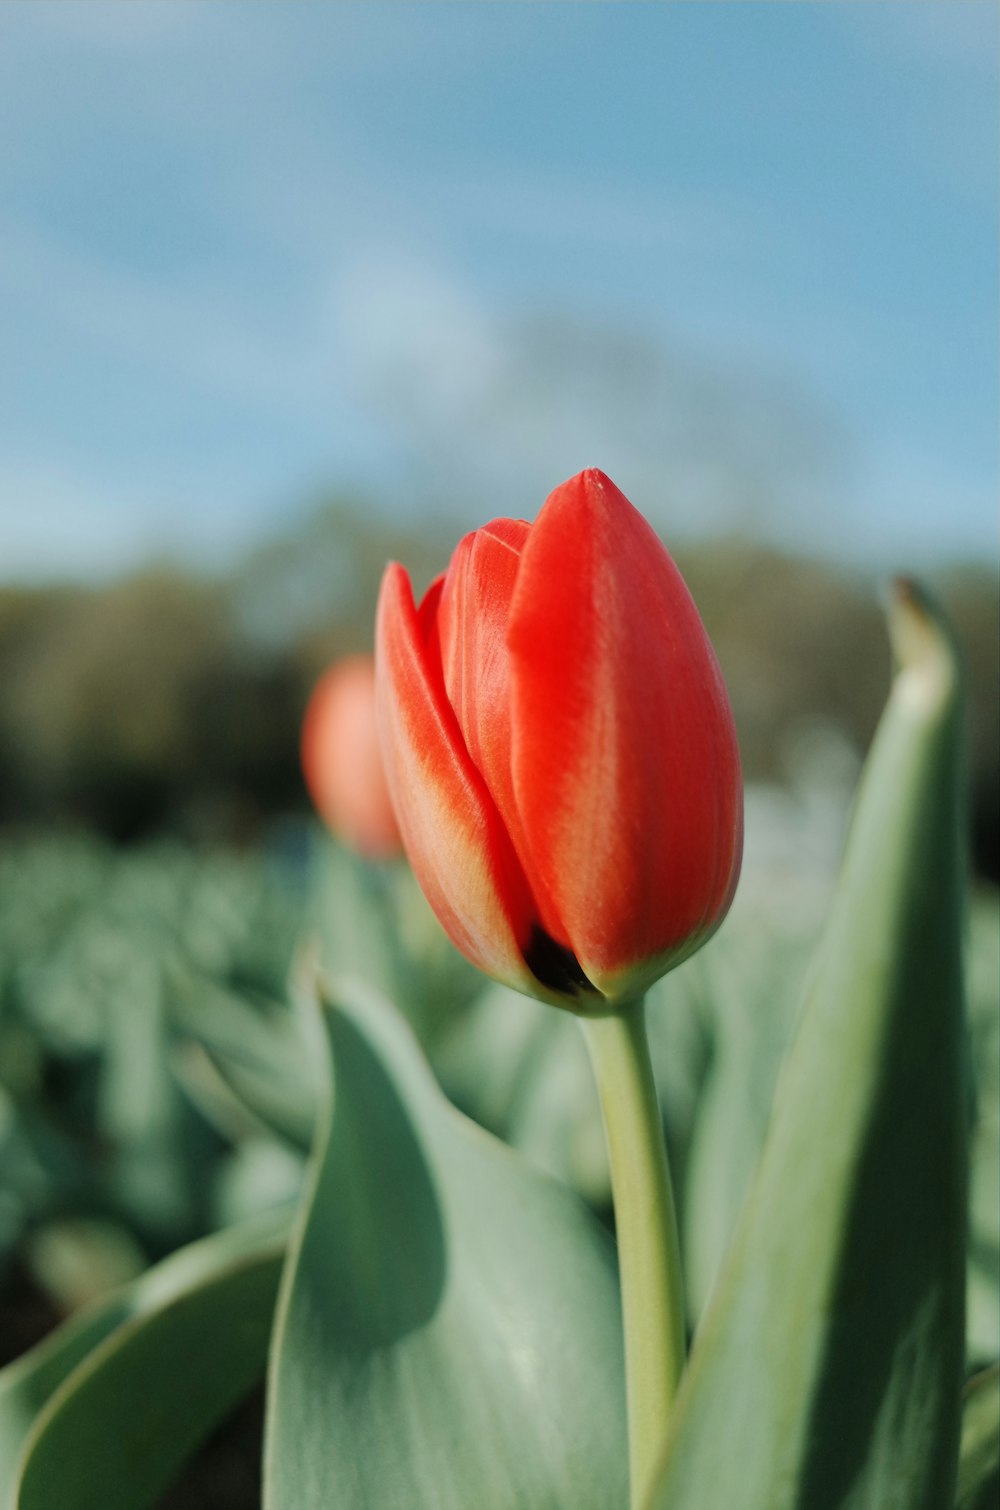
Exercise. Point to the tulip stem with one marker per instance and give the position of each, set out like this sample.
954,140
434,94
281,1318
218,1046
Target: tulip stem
648,1248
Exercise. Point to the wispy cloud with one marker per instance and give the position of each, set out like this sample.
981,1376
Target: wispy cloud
607,214
706,448
199,334
945,35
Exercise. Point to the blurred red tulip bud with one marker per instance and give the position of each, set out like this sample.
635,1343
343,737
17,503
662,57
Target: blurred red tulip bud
342,759
561,751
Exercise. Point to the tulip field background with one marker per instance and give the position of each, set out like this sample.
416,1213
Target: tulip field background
287,292
145,1012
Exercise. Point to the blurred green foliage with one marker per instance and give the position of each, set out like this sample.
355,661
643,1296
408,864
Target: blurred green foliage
153,1087
105,1161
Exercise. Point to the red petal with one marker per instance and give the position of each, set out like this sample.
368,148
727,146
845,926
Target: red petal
453,834
625,764
473,621
474,611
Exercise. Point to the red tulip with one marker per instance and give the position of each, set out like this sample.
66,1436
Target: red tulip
342,761
561,751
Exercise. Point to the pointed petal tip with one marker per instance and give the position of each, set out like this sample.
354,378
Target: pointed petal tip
394,576
395,579
596,477
590,479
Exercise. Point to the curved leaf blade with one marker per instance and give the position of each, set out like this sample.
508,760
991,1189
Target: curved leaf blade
827,1373
449,1331
27,1384
192,1339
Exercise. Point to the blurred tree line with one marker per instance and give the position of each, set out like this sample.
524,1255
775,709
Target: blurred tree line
168,701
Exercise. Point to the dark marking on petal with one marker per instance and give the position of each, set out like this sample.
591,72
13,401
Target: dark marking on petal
556,967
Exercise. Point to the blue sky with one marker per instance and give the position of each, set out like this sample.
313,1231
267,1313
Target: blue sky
743,256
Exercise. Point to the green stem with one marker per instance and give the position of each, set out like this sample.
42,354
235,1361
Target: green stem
648,1249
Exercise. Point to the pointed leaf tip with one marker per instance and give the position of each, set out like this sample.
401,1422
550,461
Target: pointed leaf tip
923,646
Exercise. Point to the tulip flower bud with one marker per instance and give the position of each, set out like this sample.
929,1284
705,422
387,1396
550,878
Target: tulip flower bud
342,759
560,750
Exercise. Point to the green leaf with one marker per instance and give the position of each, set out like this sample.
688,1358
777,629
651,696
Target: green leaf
982,1299
748,985
29,1382
979,1457
827,1372
449,1332
110,1406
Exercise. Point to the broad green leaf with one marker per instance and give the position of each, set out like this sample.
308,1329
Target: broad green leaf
827,1372
979,1457
750,983
28,1383
109,1407
448,1334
